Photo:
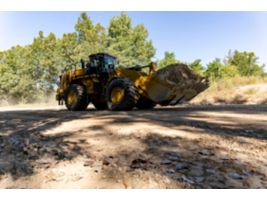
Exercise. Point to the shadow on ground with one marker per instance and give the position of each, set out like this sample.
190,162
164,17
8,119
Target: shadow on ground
190,163
23,147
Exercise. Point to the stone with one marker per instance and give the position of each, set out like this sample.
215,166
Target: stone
241,141
170,171
166,162
173,158
77,149
248,172
88,163
138,163
206,152
186,179
172,155
235,175
249,131
106,161
199,179
211,171
196,171
181,165
224,158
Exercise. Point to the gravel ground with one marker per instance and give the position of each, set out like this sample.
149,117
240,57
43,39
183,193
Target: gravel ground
171,147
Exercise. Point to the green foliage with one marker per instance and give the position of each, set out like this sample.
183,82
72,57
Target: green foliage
214,69
229,71
235,64
246,63
66,50
15,76
169,58
197,67
83,25
128,43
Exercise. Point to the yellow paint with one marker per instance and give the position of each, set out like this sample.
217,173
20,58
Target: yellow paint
89,85
72,98
117,95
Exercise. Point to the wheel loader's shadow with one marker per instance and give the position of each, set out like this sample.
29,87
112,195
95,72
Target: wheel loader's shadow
186,117
231,123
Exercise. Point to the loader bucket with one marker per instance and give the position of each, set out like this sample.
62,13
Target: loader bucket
175,83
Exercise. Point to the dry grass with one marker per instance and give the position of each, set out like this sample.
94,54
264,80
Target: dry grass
237,90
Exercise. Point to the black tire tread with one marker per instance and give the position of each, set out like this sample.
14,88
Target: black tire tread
82,101
131,94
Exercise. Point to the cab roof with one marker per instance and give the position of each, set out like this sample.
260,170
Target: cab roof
102,54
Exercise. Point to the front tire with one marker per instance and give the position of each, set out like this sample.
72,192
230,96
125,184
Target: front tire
121,94
76,98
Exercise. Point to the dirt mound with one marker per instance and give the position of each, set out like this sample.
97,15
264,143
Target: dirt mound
186,82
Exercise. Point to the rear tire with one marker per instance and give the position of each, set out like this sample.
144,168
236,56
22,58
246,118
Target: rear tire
76,98
129,98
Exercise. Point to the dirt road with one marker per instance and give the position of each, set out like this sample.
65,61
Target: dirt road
182,147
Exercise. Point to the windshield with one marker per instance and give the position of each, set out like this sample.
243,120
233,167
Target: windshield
110,62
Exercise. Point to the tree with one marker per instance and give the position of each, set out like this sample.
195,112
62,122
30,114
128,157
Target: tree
91,39
197,67
214,68
143,50
83,24
66,50
16,81
44,62
246,63
130,44
169,58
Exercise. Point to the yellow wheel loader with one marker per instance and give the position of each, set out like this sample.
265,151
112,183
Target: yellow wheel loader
99,81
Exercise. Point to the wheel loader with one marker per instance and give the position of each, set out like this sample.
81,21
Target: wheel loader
101,82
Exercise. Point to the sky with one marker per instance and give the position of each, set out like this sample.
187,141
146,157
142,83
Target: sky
190,35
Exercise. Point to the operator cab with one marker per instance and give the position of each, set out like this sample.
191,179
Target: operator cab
101,64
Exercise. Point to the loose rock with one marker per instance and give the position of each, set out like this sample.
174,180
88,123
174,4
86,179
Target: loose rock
188,180
166,162
235,175
180,166
199,179
170,171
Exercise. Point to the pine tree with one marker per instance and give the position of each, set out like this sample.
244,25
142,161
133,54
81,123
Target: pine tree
130,44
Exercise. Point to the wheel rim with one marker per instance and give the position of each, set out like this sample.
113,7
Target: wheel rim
72,98
117,95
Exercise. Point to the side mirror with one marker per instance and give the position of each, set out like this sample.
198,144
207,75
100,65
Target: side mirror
82,63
